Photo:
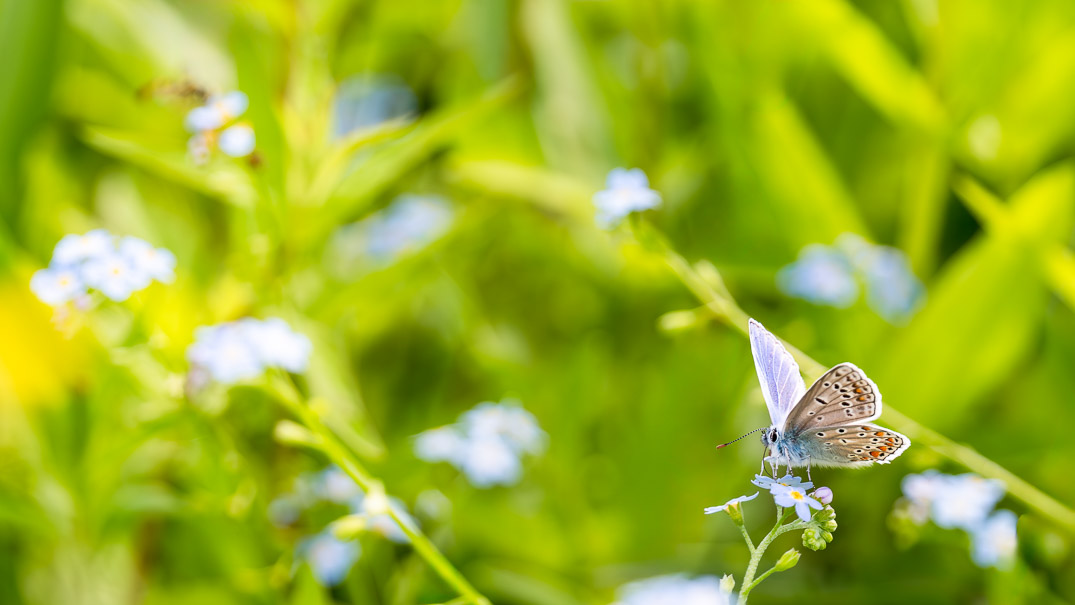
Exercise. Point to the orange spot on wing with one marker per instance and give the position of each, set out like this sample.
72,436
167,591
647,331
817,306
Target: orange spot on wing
880,433
875,454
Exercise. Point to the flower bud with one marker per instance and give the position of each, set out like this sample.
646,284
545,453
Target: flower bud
787,560
812,539
727,584
823,495
827,535
735,512
829,525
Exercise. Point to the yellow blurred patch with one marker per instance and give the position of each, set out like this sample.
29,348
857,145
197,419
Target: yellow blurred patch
38,363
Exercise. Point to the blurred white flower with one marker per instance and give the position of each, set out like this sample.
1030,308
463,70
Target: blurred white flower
821,275
334,485
487,444
489,461
676,589
329,558
237,141
73,249
410,223
831,275
56,285
626,191
216,112
244,349
442,444
995,540
367,100
211,127
80,262
965,501
508,421
157,263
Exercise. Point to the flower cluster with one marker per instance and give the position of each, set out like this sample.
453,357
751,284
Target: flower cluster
410,223
626,191
678,589
831,275
213,125
964,502
333,551
487,444
241,350
115,267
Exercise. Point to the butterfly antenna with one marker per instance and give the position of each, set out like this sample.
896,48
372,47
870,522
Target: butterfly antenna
744,436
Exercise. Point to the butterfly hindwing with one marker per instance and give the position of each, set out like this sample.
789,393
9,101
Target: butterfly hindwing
853,445
843,395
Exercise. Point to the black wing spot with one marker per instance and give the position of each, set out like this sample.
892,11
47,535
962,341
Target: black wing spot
820,400
841,431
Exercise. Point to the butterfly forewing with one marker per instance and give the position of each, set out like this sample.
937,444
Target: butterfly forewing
781,383
856,444
844,395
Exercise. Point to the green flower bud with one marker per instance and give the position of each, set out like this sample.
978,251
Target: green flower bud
813,540
829,525
787,560
826,535
727,584
735,512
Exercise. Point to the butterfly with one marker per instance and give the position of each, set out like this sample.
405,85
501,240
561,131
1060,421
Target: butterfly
827,424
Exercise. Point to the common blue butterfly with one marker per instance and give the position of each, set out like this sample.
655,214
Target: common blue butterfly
827,425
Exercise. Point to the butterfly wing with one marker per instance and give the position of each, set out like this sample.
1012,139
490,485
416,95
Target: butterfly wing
852,445
781,383
844,395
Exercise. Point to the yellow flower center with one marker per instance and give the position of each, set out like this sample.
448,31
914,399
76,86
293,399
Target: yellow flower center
797,495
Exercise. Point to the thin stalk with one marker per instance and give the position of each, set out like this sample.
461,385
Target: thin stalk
724,308
749,581
336,451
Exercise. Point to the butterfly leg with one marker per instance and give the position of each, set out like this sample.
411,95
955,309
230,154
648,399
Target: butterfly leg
808,477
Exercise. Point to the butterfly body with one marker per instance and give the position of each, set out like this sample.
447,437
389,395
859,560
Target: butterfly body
828,424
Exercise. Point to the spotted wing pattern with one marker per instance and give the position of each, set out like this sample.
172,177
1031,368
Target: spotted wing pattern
844,395
856,444
781,383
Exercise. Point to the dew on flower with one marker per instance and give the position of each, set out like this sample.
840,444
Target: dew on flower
626,191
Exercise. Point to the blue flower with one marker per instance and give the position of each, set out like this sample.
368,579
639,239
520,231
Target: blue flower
368,100
211,126
216,112
995,540
156,263
734,501
892,290
382,523
237,141
57,285
766,482
244,349
677,590
794,496
487,444
114,275
954,501
410,223
821,275
329,558
74,249
626,191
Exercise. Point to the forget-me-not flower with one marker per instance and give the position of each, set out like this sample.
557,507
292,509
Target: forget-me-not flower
789,480
244,349
408,224
994,542
368,100
95,261
487,444
832,276
965,501
329,557
793,496
677,589
626,191
733,502
212,125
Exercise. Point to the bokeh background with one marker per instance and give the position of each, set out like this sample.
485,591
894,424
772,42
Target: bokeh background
941,128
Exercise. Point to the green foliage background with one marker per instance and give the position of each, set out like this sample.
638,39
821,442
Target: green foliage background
943,128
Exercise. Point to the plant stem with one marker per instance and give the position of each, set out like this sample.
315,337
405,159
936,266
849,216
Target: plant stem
720,303
749,582
331,445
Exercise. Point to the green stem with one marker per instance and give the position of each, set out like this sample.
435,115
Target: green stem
723,307
290,397
749,582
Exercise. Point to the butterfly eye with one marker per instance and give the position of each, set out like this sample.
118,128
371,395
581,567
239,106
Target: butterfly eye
772,436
